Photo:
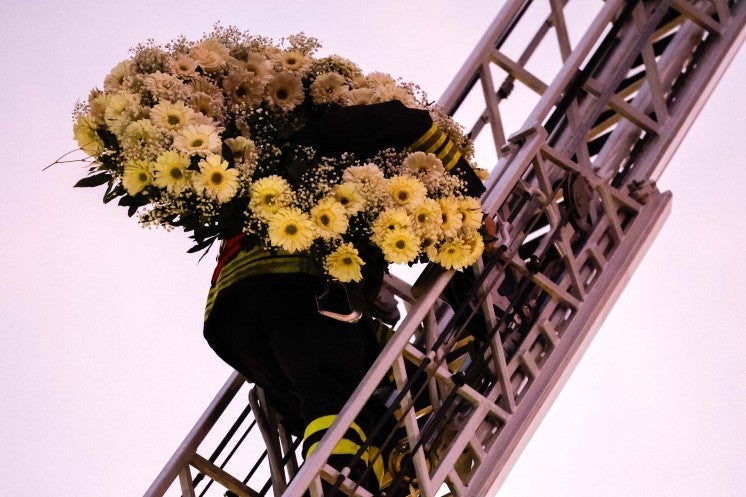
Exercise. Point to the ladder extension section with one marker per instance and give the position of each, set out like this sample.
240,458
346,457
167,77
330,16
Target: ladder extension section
480,355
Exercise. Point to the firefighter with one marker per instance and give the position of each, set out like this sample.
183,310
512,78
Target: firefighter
263,314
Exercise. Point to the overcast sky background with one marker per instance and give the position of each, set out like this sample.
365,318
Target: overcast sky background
104,369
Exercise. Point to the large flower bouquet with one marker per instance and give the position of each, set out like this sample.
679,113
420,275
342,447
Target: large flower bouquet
196,135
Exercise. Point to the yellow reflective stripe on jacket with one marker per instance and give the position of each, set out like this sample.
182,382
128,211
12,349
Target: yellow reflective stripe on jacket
435,141
255,261
372,457
417,145
325,422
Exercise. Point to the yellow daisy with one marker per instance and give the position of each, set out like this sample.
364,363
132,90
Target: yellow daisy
450,216
86,136
215,180
344,264
389,220
137,175
170,171
400,245
269,194
426,216
291,229
198,139
349,196
330,218
285,91
406,191
471,213
453,254
475,242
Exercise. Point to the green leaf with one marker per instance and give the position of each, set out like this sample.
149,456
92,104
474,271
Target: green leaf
95,180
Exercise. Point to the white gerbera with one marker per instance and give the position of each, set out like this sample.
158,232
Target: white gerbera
210,54
260,66
285,91
293,61
171,116
198,139
115,79
142,140
184,65
328,88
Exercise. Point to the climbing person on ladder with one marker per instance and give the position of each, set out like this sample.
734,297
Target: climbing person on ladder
267,315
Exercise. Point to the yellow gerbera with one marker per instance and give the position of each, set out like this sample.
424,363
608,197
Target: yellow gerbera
215,180
349,196
268,195
406,191
170,171
471,213
387,221
475,242
137,175
400,245
291,229
86,136
453,254
450,216
330,218
344,264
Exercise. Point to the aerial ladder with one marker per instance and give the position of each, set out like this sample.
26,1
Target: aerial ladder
480,355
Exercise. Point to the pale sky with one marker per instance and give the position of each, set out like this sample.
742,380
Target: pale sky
104,369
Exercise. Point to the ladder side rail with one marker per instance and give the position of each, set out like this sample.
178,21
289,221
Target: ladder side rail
188,448
714,61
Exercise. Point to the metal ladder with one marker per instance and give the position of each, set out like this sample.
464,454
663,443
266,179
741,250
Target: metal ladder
480,356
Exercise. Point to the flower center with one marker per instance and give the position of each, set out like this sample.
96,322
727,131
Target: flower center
241,91
176,173
400,244
282,94
421,217
269,199
324,219
347,261
143,177
291,229
402,195
197,142
173,120
216,178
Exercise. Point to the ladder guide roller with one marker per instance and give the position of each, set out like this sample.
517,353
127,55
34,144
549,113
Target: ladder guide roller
479,357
